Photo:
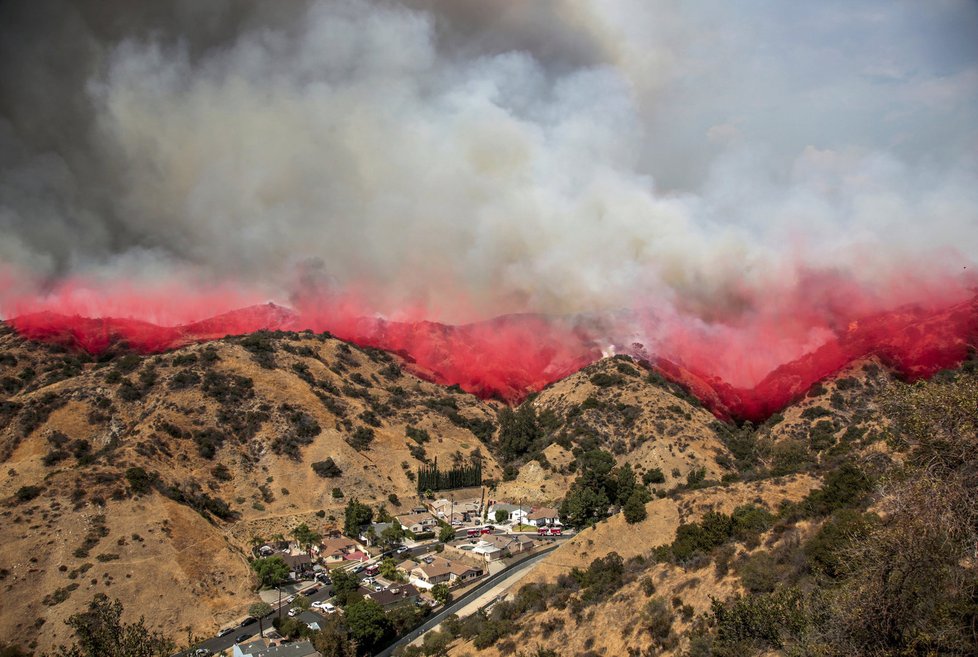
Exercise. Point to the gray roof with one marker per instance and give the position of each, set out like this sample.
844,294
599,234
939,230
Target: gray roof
311,617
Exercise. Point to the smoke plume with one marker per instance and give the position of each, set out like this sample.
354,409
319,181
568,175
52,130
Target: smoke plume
728,186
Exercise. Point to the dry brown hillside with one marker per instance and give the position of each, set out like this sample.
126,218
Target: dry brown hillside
146,477
618,406
228,432
618,625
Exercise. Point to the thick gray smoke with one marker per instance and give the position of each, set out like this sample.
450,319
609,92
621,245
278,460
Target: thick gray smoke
475,157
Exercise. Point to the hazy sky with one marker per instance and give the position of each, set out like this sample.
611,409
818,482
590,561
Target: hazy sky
477,157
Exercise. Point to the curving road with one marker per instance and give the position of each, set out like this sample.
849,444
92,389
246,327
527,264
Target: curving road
459,604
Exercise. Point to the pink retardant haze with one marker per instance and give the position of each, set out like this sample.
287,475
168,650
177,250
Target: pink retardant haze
745,366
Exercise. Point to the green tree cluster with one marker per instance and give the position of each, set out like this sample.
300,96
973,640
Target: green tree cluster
598,486
356,516
271,571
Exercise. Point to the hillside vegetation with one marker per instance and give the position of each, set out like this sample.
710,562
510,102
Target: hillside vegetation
146,477
855,541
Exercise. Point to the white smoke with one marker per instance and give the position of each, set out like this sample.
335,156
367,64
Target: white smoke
646,153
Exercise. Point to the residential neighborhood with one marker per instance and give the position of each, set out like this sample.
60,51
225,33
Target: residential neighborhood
408,565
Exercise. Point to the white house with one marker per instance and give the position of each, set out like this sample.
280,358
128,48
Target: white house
544,517
517,514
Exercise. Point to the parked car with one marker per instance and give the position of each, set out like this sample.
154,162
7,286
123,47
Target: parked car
368,580
319,604
295,611
329,608
378,587
290,598
242,638
373,569
226,631
248,621
359,569
322,577
401,550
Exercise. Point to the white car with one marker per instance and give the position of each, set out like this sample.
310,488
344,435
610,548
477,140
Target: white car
329,608
378,587
295,611
319,604
369,580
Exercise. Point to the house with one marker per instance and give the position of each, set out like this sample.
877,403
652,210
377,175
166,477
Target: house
299,564
488,551
407,566
262,648
249,648
438,570
370,534
334,550
313,621
468,509
357,555
396,595
515,513
463,572
521,543
512,544
543,517
441,507
491,547
418,523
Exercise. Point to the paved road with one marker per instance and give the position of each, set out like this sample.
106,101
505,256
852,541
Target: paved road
217,644
457,605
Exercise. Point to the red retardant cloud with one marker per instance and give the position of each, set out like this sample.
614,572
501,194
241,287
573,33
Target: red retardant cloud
747,365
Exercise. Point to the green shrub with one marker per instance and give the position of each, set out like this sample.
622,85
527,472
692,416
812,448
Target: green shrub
27,493
634,508
789,456
815,412
654,476
605,380
749,521
658,617
327,468
139,480
824,550
208,442
603,577
221,472
821,435
756,623
695,477
845,487
361,438
759,572
419,436
701,537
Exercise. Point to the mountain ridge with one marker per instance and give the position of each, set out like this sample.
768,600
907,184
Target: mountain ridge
512,356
